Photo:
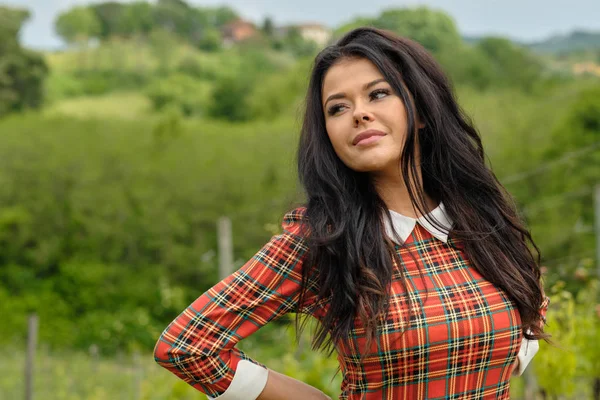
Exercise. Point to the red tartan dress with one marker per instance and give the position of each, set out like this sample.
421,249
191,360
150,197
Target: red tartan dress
462,343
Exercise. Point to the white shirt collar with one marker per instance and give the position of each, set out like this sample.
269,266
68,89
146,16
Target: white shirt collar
404,225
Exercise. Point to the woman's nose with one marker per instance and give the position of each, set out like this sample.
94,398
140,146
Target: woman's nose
361,116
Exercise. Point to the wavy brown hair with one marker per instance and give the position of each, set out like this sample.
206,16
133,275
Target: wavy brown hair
345,215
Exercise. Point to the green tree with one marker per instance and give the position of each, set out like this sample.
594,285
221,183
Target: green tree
268,27
22,72
297,44
78,25
174,16
219,16
511,65
136,19
109,15
230,98
355,23
189,96
11,21
211,39
435,30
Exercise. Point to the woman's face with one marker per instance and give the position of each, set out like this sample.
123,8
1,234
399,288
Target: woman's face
365,119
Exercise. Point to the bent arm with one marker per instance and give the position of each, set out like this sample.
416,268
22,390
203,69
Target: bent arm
282,387
199,346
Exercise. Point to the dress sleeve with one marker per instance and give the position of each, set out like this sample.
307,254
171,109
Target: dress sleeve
199,345
530,347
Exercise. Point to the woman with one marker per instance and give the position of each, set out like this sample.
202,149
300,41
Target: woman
408,251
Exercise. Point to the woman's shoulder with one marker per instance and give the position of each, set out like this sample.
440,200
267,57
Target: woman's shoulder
295,221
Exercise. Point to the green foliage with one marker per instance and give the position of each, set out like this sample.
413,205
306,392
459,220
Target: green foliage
22,75
91,374
558,200
294,42
108,15
211,40
78,25
198,26
80,224
433,29
578,40
511,65
219,15
190,96
353,24
102,82
468,66
280,94
588,326
574,322
136,19
22,72
268,27
11,22
164,44
231,95
106,106
230,99
60,86
557,367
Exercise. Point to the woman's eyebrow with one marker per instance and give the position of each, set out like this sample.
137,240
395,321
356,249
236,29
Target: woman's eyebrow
342,95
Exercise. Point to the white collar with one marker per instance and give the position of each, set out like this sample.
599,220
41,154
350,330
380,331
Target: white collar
404,225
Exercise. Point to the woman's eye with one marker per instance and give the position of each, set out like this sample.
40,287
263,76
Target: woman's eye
334,109
377,93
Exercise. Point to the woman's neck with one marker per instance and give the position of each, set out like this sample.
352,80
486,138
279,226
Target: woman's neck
394,194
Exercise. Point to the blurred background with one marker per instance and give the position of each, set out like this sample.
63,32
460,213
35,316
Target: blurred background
128,130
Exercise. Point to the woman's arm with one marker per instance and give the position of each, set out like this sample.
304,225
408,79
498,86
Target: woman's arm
282,387
516,367
530,347
199,346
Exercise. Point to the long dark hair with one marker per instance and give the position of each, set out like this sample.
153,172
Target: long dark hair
345,215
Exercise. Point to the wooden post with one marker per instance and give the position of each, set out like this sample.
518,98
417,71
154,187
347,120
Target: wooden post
137,376
531,387
597,229
32,333
225,247
596,390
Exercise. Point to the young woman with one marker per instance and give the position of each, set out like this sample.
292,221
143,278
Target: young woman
408,251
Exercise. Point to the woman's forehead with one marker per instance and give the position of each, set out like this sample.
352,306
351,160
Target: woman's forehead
349,74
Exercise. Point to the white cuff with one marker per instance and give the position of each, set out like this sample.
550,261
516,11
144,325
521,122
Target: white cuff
248,382
526,353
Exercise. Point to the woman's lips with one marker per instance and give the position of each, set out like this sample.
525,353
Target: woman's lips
367,137
369,140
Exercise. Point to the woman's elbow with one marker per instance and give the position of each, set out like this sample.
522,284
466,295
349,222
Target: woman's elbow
161,352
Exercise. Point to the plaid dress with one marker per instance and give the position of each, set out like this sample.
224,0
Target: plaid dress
462,342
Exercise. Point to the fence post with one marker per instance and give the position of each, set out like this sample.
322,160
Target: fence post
531,386
32,332
225,247
137,376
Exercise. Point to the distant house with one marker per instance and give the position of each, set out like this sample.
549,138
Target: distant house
237,31
315,32
586,68
318,33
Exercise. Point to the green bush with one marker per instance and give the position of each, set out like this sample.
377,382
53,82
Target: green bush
104,81
230,98
188,95
107,239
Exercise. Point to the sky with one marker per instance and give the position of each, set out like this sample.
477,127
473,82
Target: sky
524,20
